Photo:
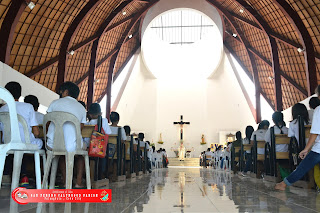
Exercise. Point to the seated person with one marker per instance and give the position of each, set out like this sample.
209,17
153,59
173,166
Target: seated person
279,128
69,93
310,154
114,118
33,100
95,112
314,102
27,112
246,140
297,110
260,134
127,129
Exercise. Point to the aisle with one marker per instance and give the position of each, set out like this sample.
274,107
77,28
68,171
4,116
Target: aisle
186,190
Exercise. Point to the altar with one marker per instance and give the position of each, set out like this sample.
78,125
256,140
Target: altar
187,155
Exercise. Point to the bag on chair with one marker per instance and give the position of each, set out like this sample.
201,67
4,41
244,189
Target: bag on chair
99,141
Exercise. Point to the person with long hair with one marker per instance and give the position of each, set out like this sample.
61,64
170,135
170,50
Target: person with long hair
246,140
310,155
298,110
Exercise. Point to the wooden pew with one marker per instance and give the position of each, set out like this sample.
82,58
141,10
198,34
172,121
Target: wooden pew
129,159
244,148
234,158
258,159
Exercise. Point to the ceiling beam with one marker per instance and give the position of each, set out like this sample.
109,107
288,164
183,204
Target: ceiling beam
91,73
123,39
8,27
283,74
102,61
230,18
277,36
245,69
68,37
274,52
305,38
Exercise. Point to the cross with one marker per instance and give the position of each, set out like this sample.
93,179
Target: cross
181,123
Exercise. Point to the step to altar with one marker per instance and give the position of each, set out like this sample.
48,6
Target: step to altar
192,162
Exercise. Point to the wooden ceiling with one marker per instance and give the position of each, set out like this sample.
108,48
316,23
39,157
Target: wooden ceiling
86,40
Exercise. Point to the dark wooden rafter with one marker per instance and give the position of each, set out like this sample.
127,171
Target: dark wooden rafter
306,40
104,27
274,52
241,37
91,73
273,34
291,81
245,69
70,33
8,27
122,40
102,61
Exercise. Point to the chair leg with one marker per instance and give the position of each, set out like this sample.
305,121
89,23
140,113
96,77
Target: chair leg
54,168
47,167
18,155
2,163
69,170
37,169
44,160
88,180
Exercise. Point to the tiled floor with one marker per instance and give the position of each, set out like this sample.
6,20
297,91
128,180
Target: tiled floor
187,190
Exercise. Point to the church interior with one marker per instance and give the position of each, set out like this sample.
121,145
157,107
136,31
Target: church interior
195,105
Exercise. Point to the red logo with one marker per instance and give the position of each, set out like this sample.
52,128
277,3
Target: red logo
25,196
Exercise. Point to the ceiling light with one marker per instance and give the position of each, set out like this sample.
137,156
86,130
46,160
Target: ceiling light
96,80
130,36
71,52
300,50
124,13
31,5
234,35
241,10
270,78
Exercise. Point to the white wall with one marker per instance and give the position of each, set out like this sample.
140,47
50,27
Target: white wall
29,86
211,105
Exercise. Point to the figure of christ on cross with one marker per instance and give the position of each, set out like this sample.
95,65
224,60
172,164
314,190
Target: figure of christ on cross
181,123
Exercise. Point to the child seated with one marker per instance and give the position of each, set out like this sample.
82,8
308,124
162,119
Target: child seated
114,118
69,93
314,102
260,134
33,100
279,128
26,111
95,112
298,110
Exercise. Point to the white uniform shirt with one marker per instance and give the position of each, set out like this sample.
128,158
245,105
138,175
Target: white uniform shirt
209,155
39,117
310,112
70,105
279,147
105,127
246,141
260,135
294,130
27,112
315,129
114,131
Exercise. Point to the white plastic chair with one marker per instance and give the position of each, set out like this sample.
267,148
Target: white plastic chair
13,143
59,149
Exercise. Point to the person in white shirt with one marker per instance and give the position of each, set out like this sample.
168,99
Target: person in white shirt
314,102
115,118
27,112
33,100
69,93
260,134
310,154
95,112
246,140
297,110
279,128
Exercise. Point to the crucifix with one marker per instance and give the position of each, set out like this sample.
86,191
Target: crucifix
181,123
